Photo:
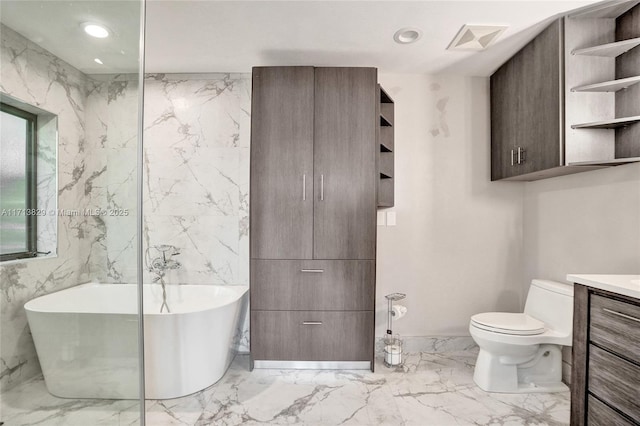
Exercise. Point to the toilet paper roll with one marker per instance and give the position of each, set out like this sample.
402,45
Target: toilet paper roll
398,311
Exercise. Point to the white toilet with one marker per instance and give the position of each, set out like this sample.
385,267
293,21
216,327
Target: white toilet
521,352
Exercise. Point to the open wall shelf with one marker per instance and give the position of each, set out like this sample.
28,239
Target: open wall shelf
618,24
608,124
609,50
609,86
386,155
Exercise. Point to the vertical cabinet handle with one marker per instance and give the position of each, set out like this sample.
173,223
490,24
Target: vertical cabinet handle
304,187
321,187
512,152
519,154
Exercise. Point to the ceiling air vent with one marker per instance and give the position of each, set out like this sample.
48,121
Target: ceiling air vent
476,37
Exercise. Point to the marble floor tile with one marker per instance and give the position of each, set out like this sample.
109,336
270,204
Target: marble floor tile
430,389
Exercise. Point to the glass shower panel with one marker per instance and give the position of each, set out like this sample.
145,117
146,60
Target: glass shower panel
70,322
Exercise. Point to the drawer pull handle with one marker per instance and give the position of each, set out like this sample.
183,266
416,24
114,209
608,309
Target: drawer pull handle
620,314
312,322
312,271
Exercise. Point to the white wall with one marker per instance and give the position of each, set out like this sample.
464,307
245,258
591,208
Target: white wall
586,223
457,246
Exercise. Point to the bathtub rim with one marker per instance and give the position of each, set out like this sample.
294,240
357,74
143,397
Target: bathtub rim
239,296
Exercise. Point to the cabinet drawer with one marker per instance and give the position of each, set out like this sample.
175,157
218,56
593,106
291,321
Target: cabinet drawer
615,325
600,414
312,335
614,381
307,285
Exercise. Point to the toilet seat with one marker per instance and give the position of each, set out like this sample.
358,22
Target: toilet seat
508,323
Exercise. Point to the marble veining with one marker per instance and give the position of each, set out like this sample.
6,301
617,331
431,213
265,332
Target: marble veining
34,76
196,177
430,389
97,139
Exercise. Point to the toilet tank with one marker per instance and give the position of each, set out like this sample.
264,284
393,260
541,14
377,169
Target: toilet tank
552,303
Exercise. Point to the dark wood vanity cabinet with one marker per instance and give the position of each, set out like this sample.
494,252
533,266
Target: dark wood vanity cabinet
313,199
605,388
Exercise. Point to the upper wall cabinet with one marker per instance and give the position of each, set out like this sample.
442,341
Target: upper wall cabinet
314,163
568,102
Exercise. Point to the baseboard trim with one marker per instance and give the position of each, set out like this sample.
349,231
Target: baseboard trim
313,365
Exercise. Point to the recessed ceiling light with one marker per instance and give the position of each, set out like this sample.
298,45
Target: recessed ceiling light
95,30
98,61
407,35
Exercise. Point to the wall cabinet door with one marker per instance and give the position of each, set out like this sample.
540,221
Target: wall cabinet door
539,124
526,108
345,169
504,114
282,163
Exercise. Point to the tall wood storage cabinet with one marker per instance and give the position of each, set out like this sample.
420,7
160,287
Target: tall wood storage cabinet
313,216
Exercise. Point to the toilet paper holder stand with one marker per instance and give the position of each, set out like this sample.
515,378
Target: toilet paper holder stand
392,344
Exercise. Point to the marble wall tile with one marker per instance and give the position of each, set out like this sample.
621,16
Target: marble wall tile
36,77
112,133
208,247
91,115
196,177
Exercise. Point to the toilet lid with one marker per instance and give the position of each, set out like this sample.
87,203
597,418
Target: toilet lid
508,323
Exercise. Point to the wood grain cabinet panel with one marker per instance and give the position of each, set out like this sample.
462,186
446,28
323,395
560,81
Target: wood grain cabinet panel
282,163
605,381
325,285
600,414
539,127
526,101
615,325
504,112
614,380
311,335
345,151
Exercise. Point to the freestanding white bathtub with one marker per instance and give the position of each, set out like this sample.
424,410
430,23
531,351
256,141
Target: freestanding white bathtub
86,338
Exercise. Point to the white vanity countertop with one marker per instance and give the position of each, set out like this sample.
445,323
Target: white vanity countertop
627,285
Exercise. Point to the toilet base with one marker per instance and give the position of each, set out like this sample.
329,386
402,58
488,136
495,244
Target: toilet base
533,369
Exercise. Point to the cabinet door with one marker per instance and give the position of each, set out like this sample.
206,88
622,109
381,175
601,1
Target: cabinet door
282,163
539,122
345,163
504,118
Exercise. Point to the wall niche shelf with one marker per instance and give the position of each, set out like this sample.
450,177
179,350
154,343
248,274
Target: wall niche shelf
608,124
609,50
609,86
386,151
